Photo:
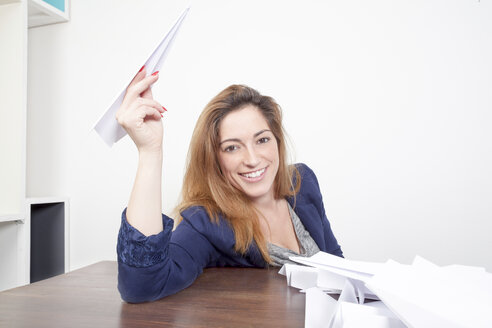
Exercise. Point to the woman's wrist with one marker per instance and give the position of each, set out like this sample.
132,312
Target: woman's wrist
150,155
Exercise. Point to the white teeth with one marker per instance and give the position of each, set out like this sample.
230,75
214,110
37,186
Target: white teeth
254,174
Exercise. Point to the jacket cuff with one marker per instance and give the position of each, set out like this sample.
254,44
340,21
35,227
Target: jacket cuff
137,250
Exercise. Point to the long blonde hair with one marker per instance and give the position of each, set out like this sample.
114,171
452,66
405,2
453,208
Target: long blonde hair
205,185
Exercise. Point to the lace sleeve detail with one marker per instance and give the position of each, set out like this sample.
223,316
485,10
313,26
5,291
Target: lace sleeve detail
140,251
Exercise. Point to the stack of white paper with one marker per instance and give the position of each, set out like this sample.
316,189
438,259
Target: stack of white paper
418,295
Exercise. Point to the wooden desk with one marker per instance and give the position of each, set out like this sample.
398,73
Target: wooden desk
220,297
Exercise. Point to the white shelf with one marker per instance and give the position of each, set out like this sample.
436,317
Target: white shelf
11,218
45,200
41,13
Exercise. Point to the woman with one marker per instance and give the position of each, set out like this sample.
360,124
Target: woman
242,205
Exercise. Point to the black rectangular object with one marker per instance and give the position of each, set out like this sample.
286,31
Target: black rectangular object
47,240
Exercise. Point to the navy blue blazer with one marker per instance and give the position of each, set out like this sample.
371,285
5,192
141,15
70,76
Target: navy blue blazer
152,267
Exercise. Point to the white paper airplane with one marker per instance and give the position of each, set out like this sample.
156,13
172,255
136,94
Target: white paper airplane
107,126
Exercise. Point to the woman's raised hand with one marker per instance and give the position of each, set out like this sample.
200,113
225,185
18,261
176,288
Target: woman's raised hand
140,115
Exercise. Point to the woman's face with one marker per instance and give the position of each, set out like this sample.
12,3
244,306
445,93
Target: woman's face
248,152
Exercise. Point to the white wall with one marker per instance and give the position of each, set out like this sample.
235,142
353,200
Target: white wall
388,101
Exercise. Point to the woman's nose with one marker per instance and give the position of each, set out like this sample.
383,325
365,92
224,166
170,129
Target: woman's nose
251,158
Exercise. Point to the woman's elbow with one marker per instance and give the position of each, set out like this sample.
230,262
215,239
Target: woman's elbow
131,296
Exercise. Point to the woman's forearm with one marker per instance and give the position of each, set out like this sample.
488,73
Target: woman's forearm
144,210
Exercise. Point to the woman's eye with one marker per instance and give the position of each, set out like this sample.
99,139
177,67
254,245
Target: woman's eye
230,148
263,140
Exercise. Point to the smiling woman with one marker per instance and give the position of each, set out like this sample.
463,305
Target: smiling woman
242,204
238,135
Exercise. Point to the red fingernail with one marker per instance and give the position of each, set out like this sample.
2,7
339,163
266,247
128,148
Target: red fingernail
155,73
141,68
162,115
164,109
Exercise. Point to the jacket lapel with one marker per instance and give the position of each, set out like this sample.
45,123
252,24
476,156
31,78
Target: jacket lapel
312,221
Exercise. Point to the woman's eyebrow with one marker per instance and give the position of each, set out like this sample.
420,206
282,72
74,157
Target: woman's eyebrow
231,139
239,140
260,132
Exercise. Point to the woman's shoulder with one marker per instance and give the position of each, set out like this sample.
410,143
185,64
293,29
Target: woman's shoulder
306,174
309,188
304,169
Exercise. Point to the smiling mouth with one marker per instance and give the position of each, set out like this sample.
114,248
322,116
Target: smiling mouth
254,174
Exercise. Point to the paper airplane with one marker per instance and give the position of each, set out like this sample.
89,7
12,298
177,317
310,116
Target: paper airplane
107,127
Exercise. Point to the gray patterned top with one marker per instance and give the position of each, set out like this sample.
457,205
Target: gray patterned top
308,247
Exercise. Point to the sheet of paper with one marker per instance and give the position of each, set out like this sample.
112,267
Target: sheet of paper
465,269
107,127
303,279
357,315
300,276
352,269
382,309
330,282
320,308
338,268
327,259
412,314
426,294
282,270
349,293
